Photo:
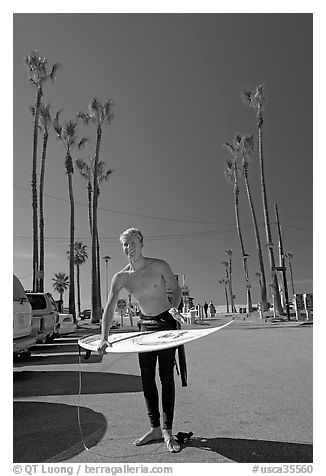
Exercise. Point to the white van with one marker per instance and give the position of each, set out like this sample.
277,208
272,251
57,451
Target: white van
23,339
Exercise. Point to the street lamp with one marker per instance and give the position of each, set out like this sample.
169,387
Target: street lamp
106,259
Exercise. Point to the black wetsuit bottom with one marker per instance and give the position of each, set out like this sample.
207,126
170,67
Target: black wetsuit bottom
166,362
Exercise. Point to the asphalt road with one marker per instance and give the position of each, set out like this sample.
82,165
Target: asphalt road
249,399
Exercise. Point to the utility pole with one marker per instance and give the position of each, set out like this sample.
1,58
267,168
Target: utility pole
282,265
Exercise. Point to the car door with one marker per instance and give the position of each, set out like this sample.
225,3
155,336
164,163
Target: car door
22,311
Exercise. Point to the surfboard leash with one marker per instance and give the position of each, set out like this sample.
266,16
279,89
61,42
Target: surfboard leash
79,394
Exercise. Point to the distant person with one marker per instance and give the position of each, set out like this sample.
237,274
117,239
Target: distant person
147,279
206,309
212,309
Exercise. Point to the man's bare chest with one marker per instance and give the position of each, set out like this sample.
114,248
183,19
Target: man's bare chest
146,282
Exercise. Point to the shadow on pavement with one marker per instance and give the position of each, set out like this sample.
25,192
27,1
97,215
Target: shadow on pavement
49,359
40,383
256,451
43,431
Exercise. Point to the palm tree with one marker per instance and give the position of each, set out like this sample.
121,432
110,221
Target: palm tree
226,265
232,175
80,256
67,135
38,75
44,125
86,170
229,253
61,284
242,148
256,100
223,282
98,115
289,256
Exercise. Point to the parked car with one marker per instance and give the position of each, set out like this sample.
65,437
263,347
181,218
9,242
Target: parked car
66,324
23,338
85,314
115,324
45,318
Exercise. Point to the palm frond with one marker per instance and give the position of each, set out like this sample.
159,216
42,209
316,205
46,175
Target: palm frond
247,97
54,70
229,147
84,117
80,163
82,142
94,107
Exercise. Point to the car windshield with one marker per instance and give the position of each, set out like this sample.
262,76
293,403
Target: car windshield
37,301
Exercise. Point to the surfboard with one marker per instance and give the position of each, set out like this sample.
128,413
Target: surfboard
128,342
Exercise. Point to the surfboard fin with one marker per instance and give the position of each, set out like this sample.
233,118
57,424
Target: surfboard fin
87,354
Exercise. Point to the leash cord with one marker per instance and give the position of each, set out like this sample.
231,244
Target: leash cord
79,393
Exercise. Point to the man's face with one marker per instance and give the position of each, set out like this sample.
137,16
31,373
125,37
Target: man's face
132,247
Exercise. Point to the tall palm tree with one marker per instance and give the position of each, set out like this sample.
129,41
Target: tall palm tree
229,254
223,282
256,100
45,122
289,256
227,281
232,175
38,74
242,149
86,170
67,135
98,115
80,256
60,285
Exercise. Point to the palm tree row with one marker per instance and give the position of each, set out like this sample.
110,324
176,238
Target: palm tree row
241,150
67,133
256,100
38,74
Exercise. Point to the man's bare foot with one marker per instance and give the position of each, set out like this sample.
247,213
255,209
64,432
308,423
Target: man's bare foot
152,435
171,442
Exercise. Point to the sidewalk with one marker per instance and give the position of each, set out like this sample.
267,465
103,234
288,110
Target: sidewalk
239,320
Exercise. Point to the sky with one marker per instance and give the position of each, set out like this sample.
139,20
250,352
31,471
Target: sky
175,80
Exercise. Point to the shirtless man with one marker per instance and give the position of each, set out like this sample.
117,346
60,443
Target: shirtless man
146,279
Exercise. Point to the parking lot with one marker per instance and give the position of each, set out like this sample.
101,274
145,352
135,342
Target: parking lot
249,398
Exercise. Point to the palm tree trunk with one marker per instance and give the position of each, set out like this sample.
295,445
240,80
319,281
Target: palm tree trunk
228,284
98,271
263,288
278,305
226,299
95,302
34,190
72,309
244,257
89,188
41,218
78,289
61,303
290,266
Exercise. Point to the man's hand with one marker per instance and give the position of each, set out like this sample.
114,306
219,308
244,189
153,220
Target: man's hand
177,316
103,346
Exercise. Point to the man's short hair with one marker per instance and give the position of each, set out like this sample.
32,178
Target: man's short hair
131,231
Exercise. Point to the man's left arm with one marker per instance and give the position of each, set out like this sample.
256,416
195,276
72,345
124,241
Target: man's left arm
174,286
